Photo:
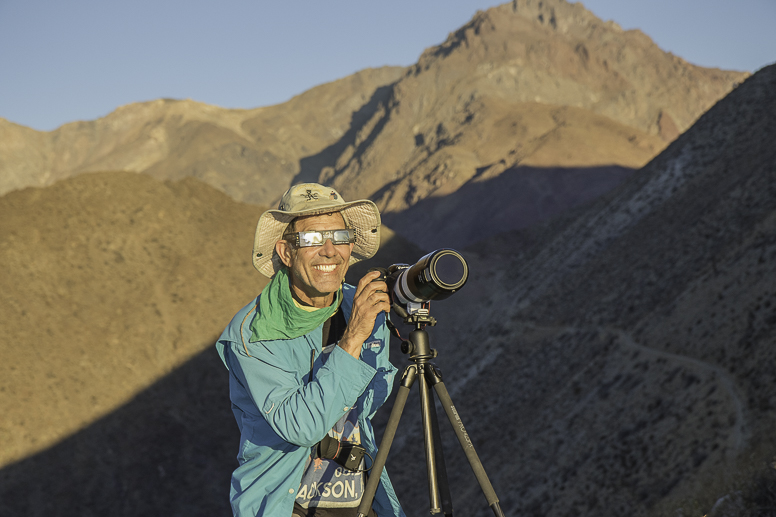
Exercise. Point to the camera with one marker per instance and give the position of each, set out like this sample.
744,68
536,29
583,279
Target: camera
435,276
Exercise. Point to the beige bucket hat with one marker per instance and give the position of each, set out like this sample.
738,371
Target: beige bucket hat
313,199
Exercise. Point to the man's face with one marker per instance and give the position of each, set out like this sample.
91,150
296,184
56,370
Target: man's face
316,272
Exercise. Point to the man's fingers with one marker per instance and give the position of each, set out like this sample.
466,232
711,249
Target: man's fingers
380,297
366,280
384,306
366,307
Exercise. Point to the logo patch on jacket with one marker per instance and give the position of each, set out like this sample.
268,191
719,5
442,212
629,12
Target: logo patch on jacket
374,344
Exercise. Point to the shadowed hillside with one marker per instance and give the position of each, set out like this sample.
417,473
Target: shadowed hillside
621,361
170,450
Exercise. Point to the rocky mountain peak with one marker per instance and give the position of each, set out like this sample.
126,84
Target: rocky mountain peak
523,87
558,14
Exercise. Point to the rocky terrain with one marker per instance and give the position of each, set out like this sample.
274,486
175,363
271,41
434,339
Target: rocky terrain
101,274
524,88
530,85
249,154
619,361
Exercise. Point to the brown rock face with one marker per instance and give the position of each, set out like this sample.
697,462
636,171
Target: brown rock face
667,127
101,274
490,97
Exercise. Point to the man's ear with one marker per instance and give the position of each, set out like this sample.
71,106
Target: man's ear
283,249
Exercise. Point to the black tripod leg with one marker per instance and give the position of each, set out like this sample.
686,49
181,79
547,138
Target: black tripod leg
410,373
444,485
463,438
426,410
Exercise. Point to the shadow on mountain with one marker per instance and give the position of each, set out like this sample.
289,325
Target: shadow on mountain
310,167
169,451
519,197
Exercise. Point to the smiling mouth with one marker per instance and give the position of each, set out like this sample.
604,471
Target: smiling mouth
326,268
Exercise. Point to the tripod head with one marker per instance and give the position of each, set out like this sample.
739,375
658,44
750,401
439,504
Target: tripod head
417,314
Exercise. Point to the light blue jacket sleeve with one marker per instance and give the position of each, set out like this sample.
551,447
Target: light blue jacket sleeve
375,353
299,412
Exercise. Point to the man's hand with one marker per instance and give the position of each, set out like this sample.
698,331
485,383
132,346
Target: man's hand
371,299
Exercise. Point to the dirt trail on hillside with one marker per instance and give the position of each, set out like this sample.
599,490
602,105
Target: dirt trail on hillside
740,430
490,354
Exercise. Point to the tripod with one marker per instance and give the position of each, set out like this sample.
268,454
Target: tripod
420,352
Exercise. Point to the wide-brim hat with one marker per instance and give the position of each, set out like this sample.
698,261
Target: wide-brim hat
314,199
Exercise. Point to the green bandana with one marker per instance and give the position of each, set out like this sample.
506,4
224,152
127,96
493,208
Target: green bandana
278,317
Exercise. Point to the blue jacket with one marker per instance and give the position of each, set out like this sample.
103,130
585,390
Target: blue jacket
282,412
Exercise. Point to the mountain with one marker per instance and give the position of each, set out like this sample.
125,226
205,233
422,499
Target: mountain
523,88
249,154
104,280
619,360
614,360
555,103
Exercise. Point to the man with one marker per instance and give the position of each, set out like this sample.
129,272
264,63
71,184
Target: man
307,359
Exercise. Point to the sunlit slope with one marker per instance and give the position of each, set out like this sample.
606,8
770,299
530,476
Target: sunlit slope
110,281
251,154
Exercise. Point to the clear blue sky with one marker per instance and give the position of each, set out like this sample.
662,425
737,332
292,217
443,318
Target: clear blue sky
62,61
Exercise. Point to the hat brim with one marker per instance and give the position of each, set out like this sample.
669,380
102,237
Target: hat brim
362,215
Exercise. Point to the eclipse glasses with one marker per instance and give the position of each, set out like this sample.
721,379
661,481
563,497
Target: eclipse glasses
319,238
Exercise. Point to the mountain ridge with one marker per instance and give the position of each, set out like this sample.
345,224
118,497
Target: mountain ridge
147,136
512,71
525,84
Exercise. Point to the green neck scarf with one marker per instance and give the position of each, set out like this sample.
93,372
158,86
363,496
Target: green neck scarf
278,317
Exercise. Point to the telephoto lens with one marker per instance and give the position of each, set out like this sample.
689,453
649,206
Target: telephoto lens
434,277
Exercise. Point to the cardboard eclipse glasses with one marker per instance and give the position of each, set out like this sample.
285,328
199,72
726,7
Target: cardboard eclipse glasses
319,238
